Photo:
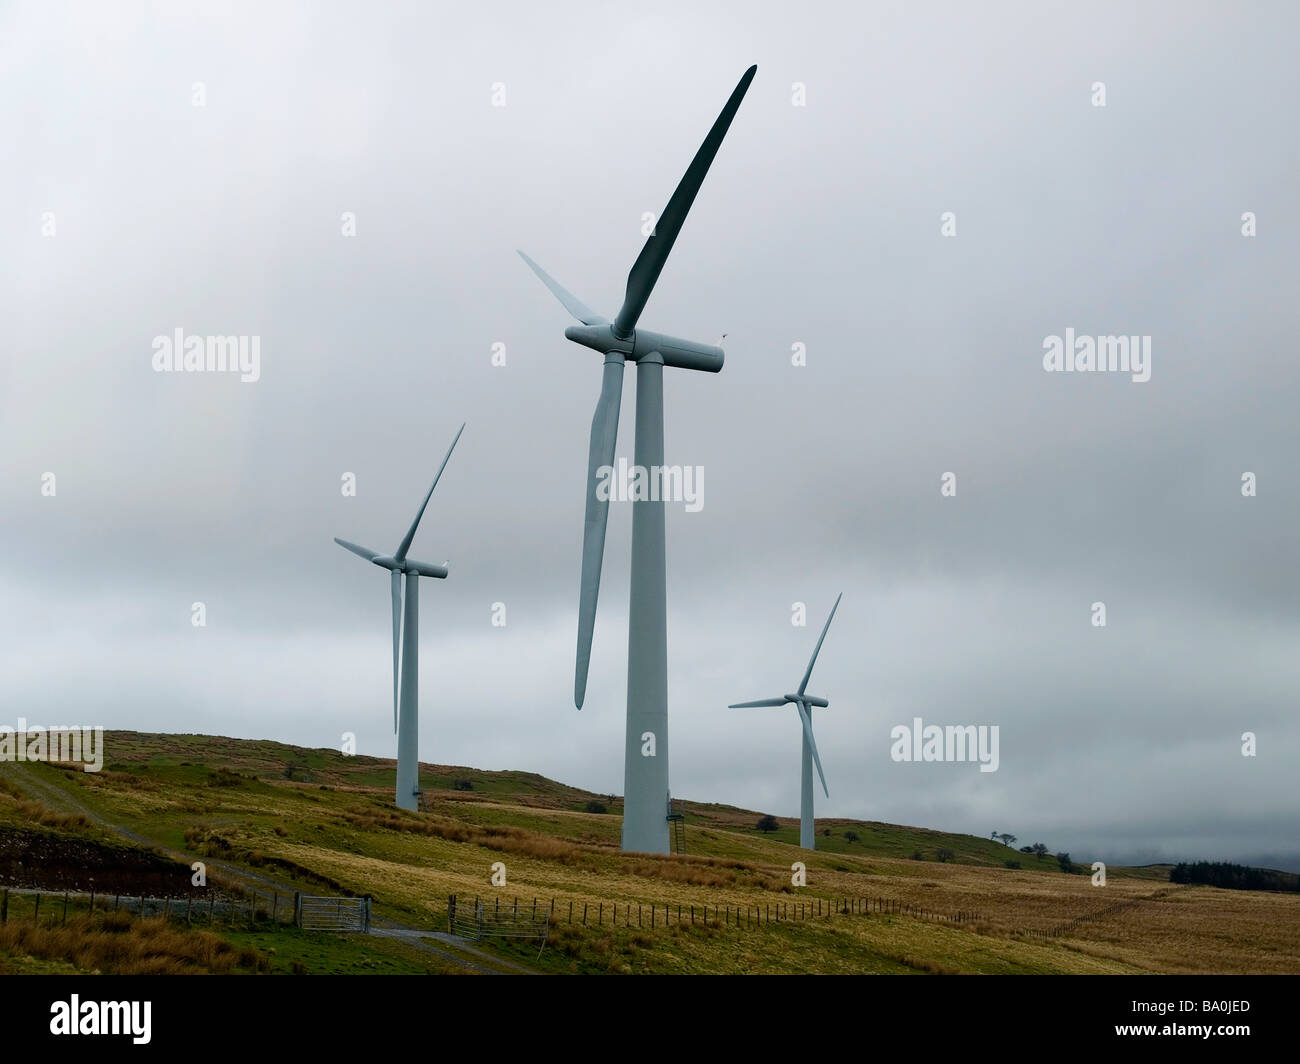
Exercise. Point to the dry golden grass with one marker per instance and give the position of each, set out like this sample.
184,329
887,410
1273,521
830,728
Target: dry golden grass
117,944
38,813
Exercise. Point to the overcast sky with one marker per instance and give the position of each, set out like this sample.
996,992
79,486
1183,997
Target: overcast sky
127,212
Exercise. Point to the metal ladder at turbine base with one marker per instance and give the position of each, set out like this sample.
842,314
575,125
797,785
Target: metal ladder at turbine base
678,822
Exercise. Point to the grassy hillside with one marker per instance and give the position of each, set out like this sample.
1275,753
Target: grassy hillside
324,822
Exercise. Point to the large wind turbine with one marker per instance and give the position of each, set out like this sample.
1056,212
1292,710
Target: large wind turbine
645,805
406,644
804,703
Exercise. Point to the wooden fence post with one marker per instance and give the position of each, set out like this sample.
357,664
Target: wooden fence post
37,914
4,907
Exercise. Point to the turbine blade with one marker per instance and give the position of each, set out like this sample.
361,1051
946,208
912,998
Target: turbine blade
400,554
645,271
817,649
396,584
363,552
572,303
762,702
604,434
812,743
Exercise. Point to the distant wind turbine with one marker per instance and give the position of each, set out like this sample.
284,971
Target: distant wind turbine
406,644
804,703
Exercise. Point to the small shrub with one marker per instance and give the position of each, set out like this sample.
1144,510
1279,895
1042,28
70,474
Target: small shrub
223,777
944,854
1010,864
463,785
851,836
595,807
917,855
767,823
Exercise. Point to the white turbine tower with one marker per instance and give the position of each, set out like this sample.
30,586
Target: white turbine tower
406,644
804,703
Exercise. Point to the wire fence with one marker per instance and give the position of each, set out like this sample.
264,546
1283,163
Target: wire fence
648,916
210,907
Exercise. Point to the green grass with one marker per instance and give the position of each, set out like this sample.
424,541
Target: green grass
321,822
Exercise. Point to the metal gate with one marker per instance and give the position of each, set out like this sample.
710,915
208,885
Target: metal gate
479,919
313,913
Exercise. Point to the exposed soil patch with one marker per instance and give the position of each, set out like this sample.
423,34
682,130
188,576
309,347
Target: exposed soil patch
44,861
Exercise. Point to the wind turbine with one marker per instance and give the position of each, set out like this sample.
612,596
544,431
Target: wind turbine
804,703
406,644
645,805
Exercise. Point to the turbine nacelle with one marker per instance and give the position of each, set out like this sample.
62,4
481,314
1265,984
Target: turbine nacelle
807,700
408,565
684,354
